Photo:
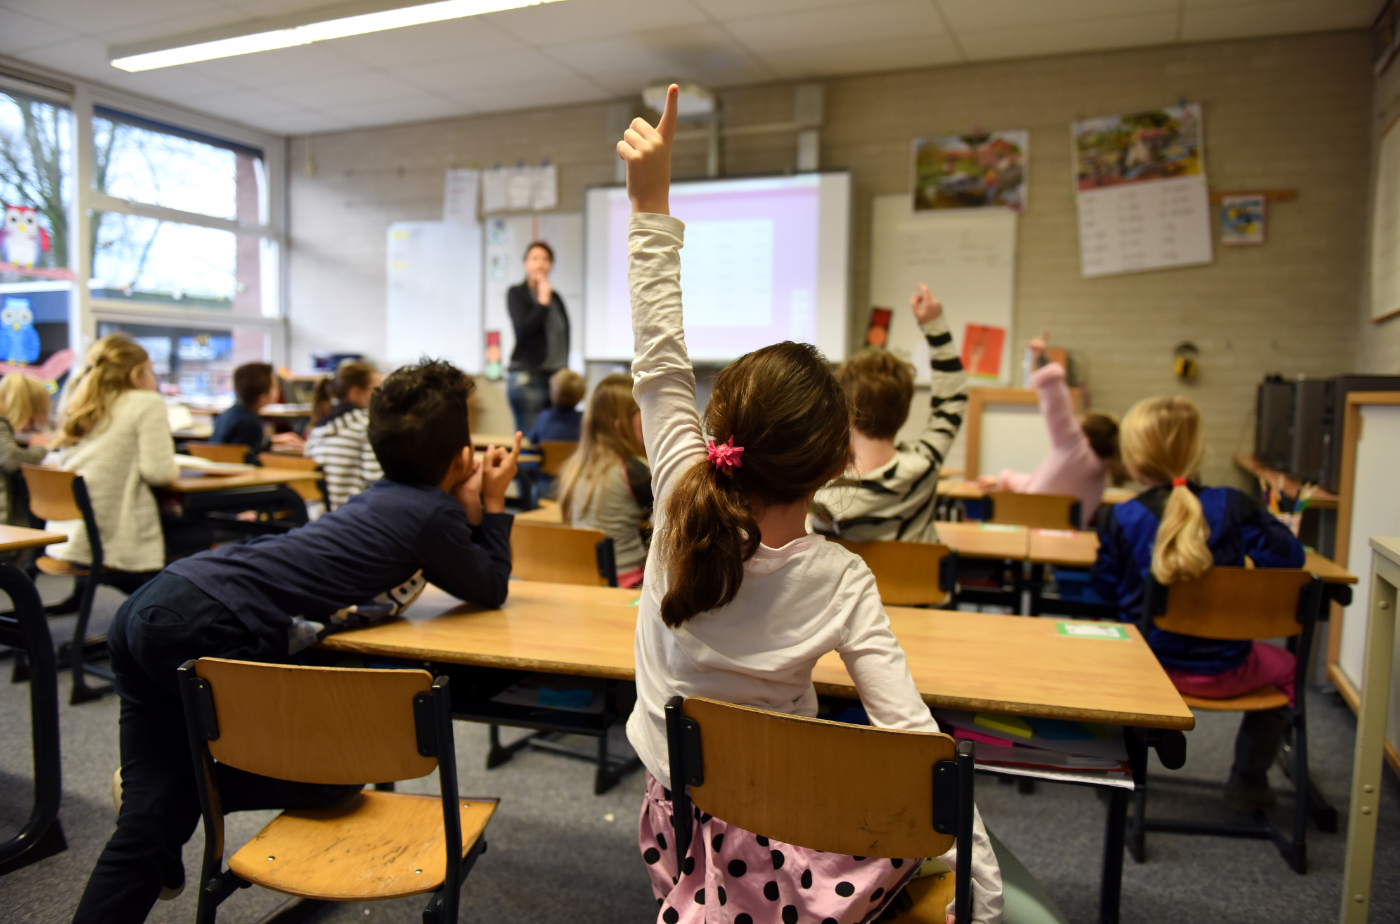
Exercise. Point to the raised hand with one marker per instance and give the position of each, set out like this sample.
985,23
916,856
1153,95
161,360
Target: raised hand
498,465
647,152
543,292
925,306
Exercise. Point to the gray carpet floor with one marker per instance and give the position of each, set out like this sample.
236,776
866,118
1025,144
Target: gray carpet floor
559,853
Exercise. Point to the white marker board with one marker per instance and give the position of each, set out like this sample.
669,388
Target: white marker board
506,240
967,257
434,293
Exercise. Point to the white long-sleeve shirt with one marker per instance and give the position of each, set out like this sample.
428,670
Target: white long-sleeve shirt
795,604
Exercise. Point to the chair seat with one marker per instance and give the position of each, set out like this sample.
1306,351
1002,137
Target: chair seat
60,568
1261,700
376,845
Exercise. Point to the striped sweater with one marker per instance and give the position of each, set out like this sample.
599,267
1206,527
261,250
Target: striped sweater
896,501
340,445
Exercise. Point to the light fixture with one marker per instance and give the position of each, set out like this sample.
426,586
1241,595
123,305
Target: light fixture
302,29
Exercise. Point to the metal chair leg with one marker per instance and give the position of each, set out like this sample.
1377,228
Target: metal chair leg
1137,828
82,693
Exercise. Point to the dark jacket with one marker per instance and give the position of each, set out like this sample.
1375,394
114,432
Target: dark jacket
241,424
556,425
527,315
1238,527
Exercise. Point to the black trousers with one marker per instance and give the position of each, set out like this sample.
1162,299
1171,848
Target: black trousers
165,623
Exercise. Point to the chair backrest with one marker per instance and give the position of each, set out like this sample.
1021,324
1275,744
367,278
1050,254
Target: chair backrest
324,725
1236,604
51,492
562,555
849,789
553,455
907,573
310,489
219,452
1038,511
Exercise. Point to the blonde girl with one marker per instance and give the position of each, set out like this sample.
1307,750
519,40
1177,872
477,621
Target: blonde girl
340,439
1176,530
740,601
24,406
606,484
116,434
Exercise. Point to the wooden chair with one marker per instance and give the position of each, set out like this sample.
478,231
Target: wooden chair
219,452
1037,511
562,555
334,726
58,495
312,489
553,455
846,789
1237,604
909,573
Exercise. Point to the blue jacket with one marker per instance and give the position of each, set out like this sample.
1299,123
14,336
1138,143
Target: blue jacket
556,425
1239,527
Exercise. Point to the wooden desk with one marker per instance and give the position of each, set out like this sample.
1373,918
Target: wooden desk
976,540
13,538
968,490
1322,500
285,412
483,440
548,513
254,478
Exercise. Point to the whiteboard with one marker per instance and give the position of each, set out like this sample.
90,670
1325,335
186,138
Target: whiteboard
1375,512
967,257
1385,228
434,292
1013,436
506,240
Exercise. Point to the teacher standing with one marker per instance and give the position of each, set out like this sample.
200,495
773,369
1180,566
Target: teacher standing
541,337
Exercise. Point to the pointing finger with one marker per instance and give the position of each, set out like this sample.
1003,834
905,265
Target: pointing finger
667,126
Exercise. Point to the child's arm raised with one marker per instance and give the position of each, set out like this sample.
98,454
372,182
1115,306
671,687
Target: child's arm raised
947,380
665,381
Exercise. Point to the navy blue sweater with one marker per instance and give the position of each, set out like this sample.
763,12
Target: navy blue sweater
376,541
1239,527
241,424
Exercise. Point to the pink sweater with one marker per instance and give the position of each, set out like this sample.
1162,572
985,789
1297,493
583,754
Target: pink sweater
1071,467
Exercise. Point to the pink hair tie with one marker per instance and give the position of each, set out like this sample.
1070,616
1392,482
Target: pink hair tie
725,456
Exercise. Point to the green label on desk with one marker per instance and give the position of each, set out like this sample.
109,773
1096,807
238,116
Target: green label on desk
1092,630
1000,527
636,602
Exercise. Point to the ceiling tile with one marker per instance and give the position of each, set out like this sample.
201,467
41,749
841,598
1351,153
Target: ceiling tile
734,9
346,89
533,94
82,57
557,23
279,67
632,82
242,105
419,108
1275,18
463,76
97,19
1060,38
984,15
859,23
275,7
18,32
433,42
861,58
668,51
298,122
180,85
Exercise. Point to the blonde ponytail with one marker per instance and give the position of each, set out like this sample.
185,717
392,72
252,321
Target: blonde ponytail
111,366
1162,443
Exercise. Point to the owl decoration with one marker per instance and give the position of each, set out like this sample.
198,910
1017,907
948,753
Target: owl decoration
23,239
19,341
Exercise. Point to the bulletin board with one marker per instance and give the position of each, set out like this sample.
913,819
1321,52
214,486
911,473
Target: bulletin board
1385,228
434,293
507,237
1005,430
967,257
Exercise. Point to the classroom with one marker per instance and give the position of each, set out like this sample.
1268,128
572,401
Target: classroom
825,461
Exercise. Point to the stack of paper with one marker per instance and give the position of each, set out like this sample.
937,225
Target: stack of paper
1046,748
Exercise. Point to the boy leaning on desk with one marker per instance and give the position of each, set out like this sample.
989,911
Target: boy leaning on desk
438,516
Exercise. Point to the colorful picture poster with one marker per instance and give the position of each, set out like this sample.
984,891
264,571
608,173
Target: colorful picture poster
1242,220
1116,150
981,352
971,171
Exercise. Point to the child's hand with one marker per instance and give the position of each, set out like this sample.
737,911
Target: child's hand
987,482
468,493
288,440
925,306
647,152
38,439
498,465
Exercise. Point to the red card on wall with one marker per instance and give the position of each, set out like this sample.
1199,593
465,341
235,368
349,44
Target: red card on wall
981,352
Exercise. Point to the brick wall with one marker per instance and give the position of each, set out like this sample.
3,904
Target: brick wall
1289,113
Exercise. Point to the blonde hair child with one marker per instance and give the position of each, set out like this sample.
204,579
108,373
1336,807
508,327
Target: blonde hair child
606,484
1175,531
115,432
24,406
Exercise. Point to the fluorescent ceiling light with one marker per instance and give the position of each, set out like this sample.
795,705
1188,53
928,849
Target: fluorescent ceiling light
188,52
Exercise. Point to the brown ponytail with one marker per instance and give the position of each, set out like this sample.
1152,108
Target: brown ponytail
1162,443
333,389
1102,432
784,407
321,402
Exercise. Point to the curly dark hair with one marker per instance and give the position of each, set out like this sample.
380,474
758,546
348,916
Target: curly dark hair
418,421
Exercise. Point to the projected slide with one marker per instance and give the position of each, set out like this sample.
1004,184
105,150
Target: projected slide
765,260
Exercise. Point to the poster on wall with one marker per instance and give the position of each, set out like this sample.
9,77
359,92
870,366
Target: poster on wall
521,188
971,171
1242,220
1141,191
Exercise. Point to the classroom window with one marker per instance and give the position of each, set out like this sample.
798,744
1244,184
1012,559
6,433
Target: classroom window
195,362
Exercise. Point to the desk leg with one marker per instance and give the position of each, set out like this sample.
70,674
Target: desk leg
1370,742
1111,891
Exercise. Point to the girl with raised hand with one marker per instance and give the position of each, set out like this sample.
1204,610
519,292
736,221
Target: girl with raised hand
740,601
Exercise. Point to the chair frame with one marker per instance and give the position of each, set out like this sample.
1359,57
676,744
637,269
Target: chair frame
951,781
1292,846
989,511
947,581
432,715
604,549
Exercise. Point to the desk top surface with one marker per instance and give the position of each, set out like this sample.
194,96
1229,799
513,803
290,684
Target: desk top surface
977,540
968,490
958,660
1321,499
256,477
21,537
